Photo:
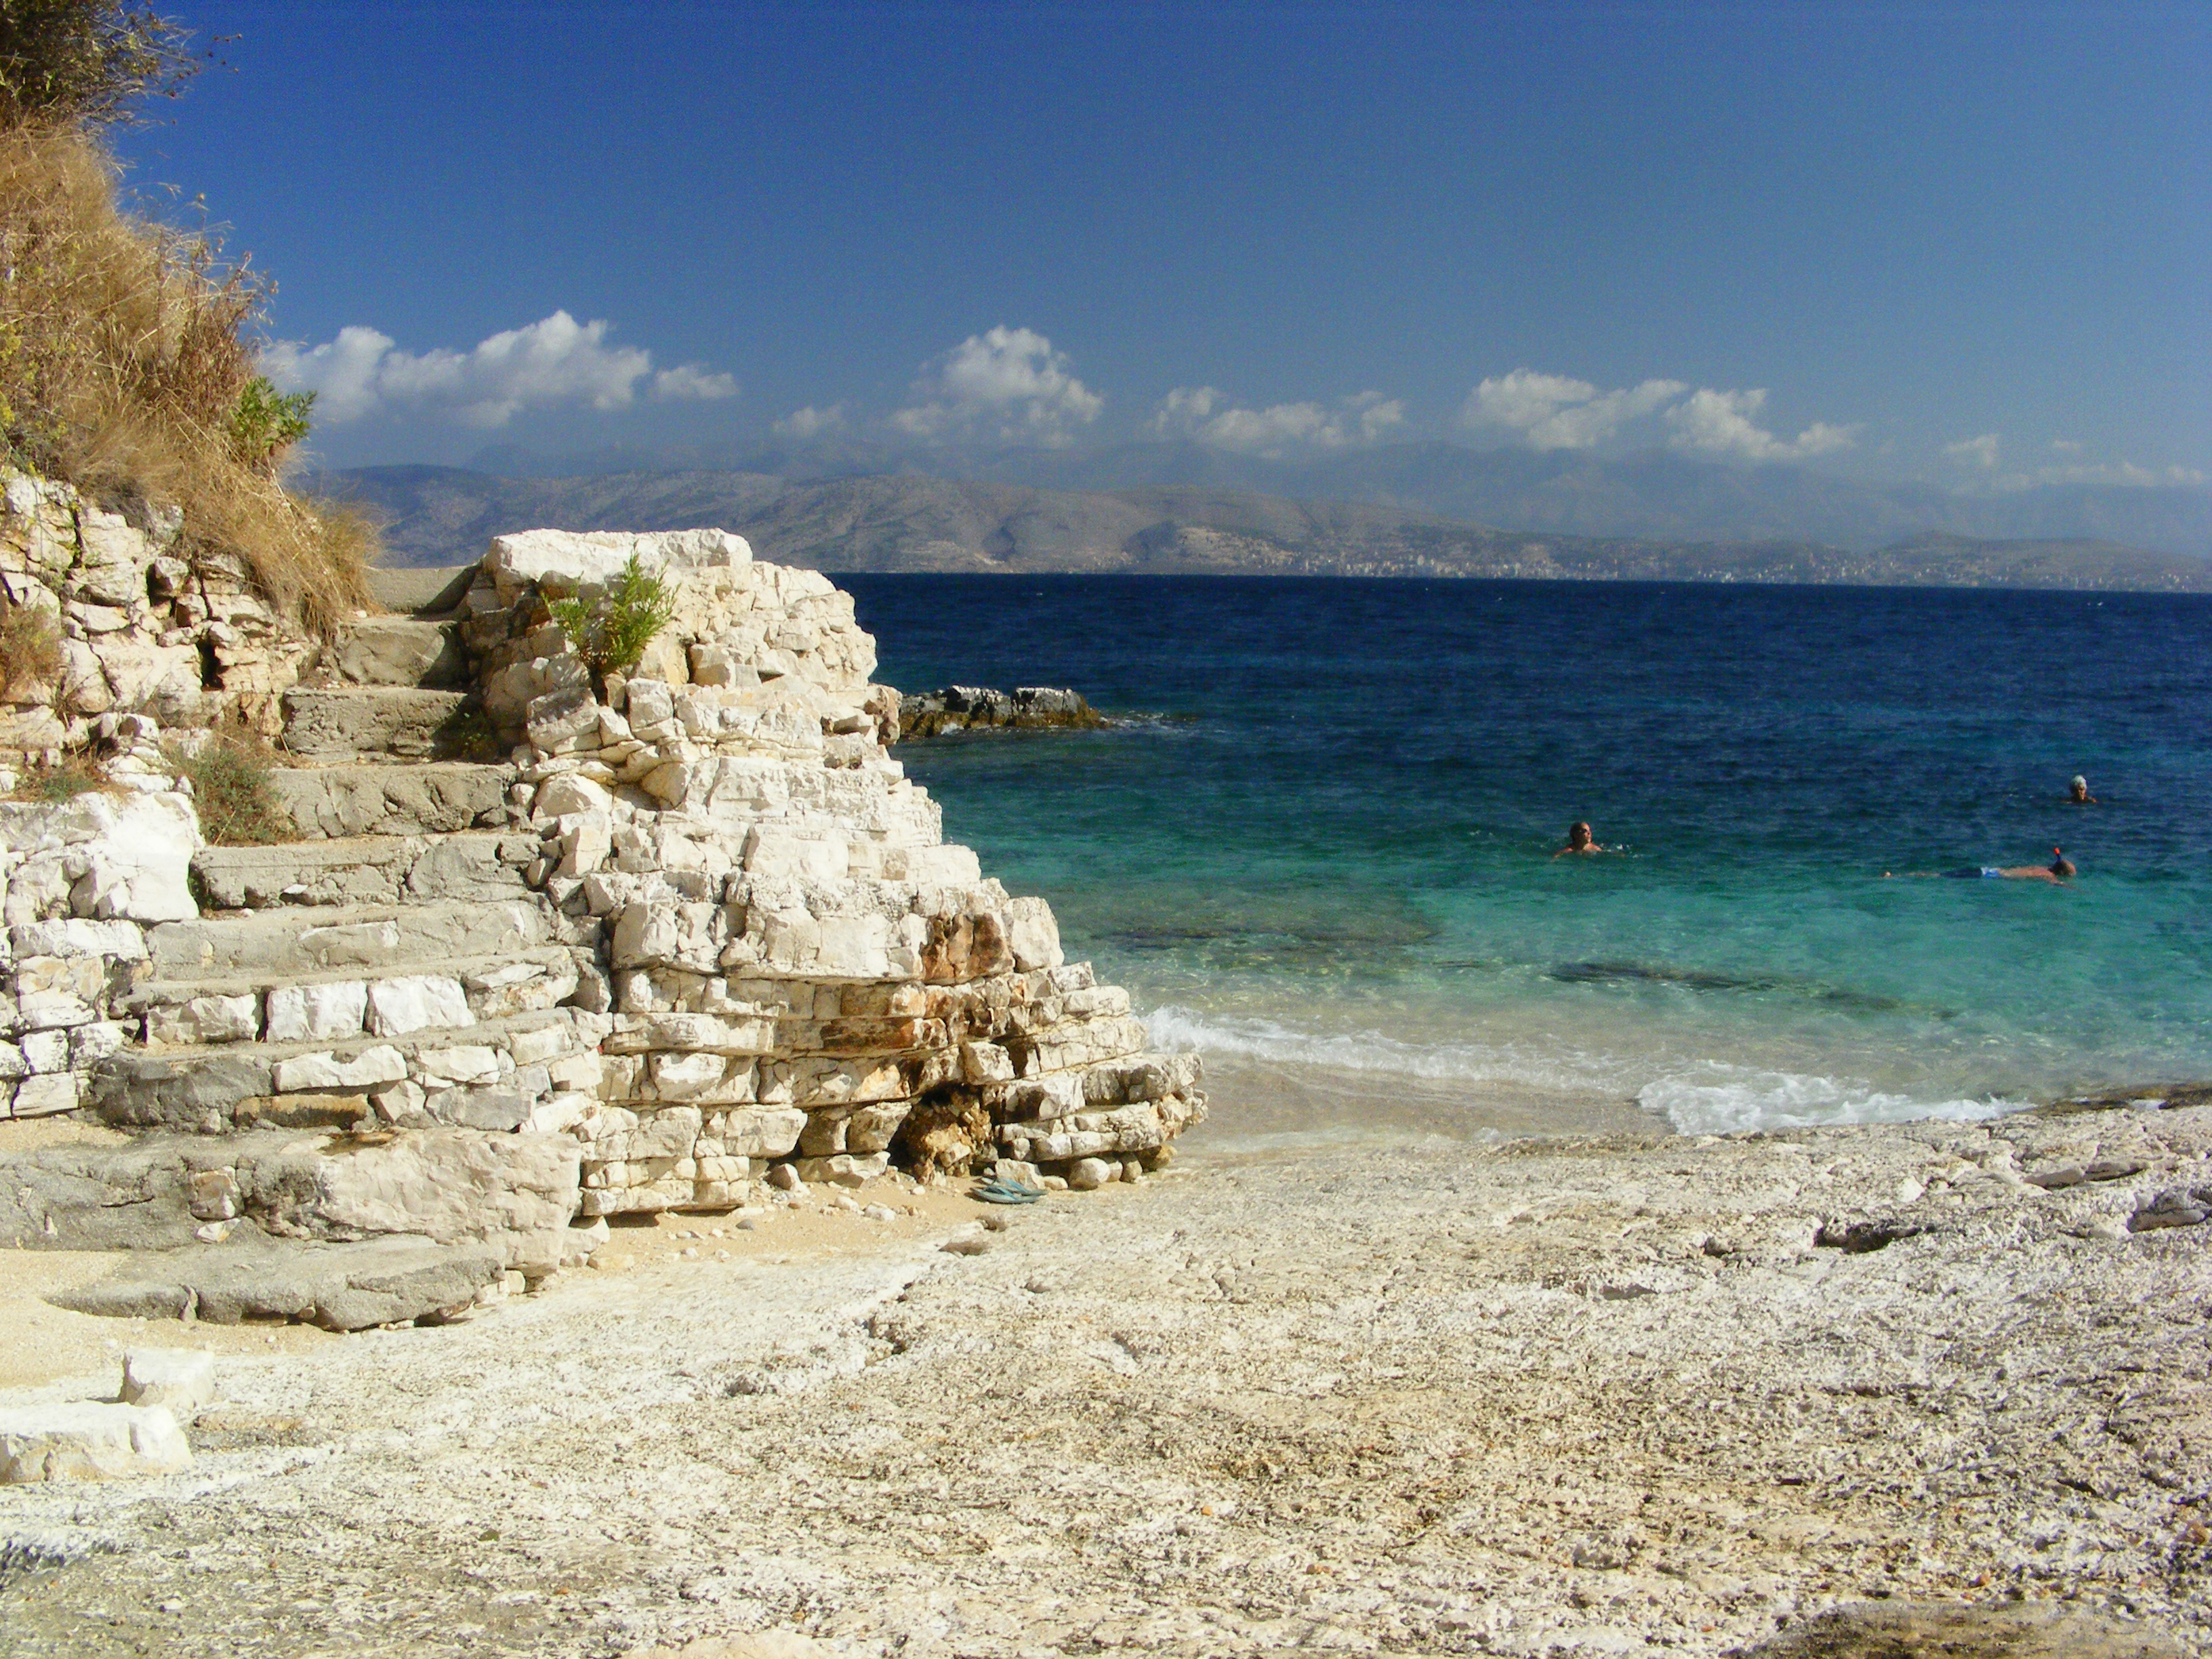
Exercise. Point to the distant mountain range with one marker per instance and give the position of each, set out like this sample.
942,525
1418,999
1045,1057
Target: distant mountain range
1653,494
1408,509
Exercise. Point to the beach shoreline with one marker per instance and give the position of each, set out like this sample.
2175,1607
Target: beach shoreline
1628,1393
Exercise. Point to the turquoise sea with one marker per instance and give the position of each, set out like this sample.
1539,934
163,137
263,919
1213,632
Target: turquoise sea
1316,842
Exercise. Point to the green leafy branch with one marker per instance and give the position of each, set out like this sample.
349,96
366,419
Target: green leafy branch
610,633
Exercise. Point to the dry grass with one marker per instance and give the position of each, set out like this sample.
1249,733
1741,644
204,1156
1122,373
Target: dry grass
237,801
65,780
30,650
124,367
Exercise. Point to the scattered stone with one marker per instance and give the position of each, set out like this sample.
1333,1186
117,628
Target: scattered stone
89,1440
182,1379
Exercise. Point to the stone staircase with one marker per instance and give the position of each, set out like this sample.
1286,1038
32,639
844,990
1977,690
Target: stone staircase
701,935
394,968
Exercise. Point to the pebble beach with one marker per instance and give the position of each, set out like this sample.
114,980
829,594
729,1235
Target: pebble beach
1616,1393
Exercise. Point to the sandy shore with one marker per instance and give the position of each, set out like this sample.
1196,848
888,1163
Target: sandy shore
1411,1395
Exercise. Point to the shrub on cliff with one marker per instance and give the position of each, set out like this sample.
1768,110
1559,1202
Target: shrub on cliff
611,633
126,367
236,795
87,60
30,648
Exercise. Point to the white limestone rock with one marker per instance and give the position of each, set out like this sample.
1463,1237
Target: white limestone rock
986,1062
89,1440
512,1192
572,793
417,1002
845,1170
46,1096
236,1018
119,941
563,562
1033,935
325,1012
136,853
1089,1174
182,1379
563,720
327,1074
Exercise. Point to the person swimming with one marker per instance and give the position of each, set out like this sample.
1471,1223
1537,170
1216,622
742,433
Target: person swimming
1578,840
2060,869
2077,792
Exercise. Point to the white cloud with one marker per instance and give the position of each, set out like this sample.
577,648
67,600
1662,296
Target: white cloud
691,381
2124,473
2066,446
1552,411
1980,452
811,422
1713,422
1009,384
1200,413
555,360
1557,411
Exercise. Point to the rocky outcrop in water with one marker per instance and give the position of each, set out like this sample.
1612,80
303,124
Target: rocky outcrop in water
981,709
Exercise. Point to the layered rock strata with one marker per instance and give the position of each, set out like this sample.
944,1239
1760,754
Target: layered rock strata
678,934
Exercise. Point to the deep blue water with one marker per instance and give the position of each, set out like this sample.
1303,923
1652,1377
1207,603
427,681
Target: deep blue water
1322,831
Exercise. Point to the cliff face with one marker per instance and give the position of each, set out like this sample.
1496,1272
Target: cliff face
103,612
695,939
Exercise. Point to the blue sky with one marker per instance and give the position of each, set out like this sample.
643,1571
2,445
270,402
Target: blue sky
1968,243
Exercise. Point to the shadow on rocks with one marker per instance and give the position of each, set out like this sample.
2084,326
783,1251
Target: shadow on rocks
1936,1630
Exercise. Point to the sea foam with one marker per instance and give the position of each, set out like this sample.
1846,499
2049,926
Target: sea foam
1722,1099
1173,1026
1708,1097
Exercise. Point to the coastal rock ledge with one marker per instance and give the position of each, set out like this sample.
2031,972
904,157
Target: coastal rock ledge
684,939
981,708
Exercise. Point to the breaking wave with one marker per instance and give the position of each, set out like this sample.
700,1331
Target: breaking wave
1706,1098
1720,1099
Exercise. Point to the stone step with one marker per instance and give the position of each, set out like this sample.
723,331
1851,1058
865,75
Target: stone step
159,1192
341,1287
400,651
335,722
380,939
192,1011
226,1087
382,800
425,592
366,870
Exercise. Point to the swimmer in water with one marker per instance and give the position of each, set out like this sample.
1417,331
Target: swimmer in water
1578,840
2060,869
2077,792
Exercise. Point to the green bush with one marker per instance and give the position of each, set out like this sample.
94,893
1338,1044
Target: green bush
267,422
235,795
87,60
610,633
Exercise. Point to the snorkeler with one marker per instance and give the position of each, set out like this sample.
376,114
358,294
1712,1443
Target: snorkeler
2077,792
2061,868
1578,840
